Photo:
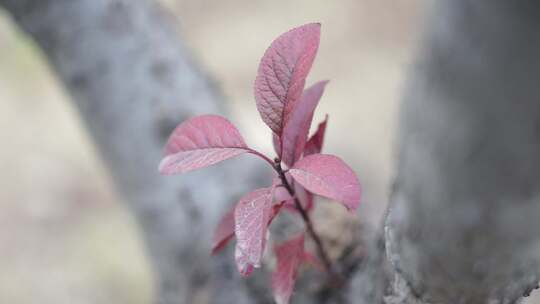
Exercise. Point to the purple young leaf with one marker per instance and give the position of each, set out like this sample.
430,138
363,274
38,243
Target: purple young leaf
282,74
296,129
224,232
315,142
329,176
200,142
252,216
290,256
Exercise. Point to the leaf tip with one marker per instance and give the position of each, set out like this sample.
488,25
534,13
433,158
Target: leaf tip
163,167
314,27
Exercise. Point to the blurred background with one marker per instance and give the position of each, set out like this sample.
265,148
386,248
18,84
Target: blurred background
58,207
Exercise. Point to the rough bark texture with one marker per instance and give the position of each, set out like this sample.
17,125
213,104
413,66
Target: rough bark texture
133,81
462,227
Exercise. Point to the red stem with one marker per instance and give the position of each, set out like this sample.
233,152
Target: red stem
305,216
264,157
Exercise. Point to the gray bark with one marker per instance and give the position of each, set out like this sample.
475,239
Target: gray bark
133,81
463,226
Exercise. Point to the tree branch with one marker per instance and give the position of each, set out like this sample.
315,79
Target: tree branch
133,81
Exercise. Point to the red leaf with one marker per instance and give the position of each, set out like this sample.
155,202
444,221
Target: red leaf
277,144
289,257
252,216
200,142
224,232
315,143
296,129
329,176
281,194
225,229
282,74
305,197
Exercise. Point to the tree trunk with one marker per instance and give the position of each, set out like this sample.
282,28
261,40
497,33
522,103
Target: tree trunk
463,225
133,81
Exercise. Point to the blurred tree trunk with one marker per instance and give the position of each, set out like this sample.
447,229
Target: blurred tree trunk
133,81
462,227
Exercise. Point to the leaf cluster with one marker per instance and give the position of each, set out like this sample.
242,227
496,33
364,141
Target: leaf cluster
287,108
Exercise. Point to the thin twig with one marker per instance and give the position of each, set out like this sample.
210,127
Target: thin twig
309,225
